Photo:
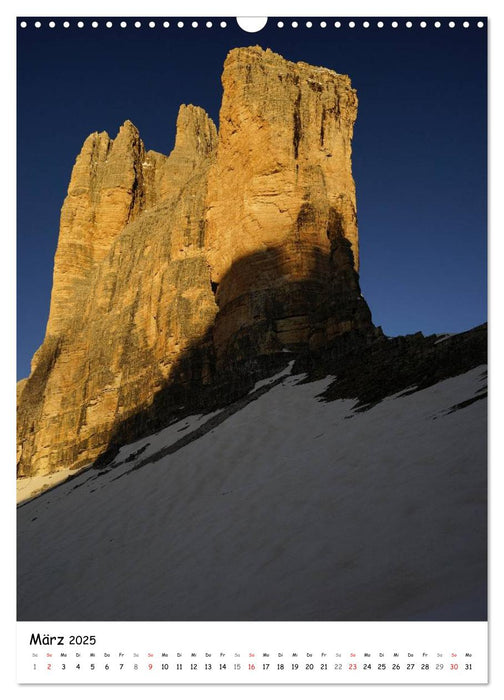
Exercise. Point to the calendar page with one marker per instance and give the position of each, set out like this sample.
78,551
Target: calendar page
252,349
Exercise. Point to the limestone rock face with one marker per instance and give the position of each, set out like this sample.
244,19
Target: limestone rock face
281,222
131,291
174,271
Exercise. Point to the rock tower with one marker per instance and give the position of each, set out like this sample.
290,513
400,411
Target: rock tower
173,272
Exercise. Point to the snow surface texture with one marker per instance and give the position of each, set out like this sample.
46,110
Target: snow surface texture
285,508
29,486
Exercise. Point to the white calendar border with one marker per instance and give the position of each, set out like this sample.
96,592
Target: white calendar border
272,8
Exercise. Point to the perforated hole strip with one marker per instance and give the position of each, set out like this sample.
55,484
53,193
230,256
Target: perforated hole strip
280,23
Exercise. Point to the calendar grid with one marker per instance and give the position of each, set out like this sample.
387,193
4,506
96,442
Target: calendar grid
257,652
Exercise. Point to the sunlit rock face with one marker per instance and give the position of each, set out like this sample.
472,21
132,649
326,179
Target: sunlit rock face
174,271
282,236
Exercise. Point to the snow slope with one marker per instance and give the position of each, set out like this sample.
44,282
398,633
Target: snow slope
281,507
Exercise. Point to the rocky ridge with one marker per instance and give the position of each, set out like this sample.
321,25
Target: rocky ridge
180,280
131,291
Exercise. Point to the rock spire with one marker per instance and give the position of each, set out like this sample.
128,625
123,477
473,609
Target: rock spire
177,277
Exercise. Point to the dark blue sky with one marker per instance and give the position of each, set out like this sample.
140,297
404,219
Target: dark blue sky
419,150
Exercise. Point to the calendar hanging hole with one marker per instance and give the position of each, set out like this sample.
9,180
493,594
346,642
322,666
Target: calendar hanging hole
252,24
